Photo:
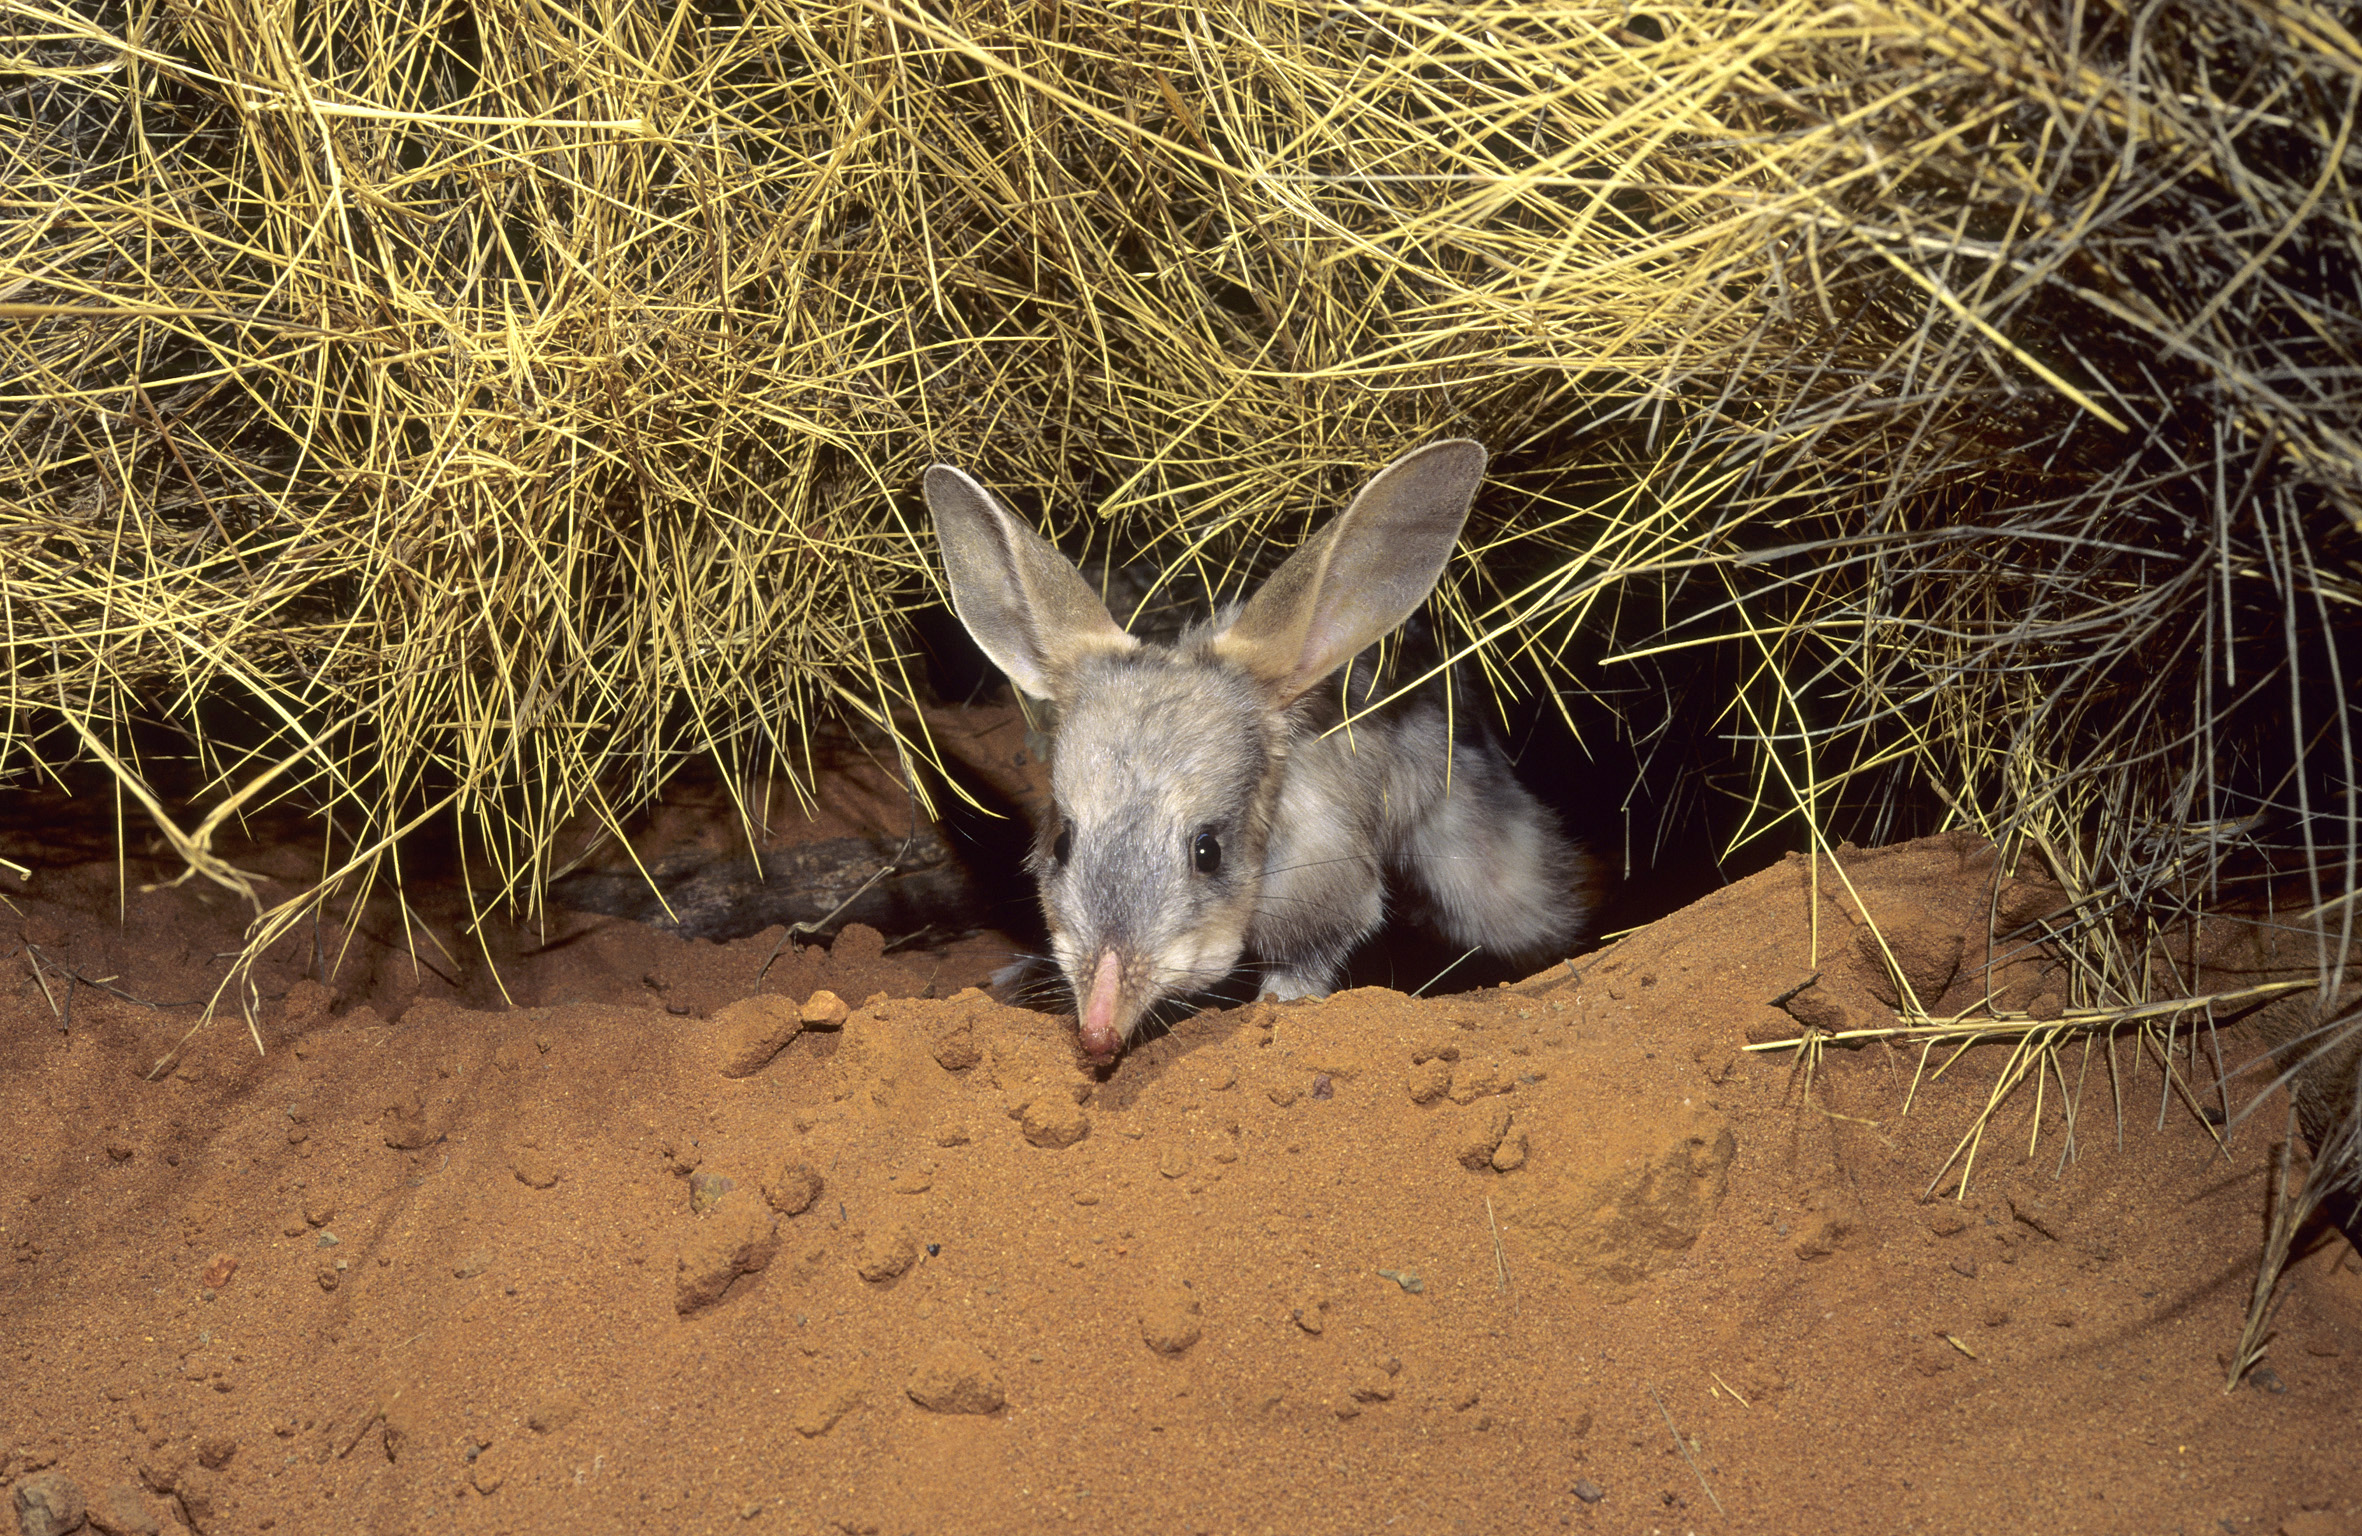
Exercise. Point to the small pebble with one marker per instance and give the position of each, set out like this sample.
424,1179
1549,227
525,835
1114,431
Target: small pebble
1169,1323
120,1509
956,1378
886,1253
956,1050
746,1034
737,1237
1428,1081
1482,1130
1589,1492
825,1404
791,1187
1054,1121
534,1168
48,1504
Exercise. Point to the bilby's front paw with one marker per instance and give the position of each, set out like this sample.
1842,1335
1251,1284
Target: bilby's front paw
1287,986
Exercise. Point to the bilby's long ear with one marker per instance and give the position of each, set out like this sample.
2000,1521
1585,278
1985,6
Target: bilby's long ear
1360,576
1024,602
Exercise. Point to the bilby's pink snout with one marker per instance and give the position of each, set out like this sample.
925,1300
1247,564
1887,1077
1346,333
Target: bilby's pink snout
1100,1040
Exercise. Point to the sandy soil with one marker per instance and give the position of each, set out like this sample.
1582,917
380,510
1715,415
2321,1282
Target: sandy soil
648,1252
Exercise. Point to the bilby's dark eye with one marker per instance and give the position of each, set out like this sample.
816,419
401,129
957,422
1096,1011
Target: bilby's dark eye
1206,850
1065,844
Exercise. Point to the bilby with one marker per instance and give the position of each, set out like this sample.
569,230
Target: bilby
1204,810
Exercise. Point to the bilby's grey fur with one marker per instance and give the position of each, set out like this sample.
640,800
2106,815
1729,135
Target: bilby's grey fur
1224,738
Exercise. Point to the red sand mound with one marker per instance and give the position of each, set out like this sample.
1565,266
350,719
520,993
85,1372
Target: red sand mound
654,1253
